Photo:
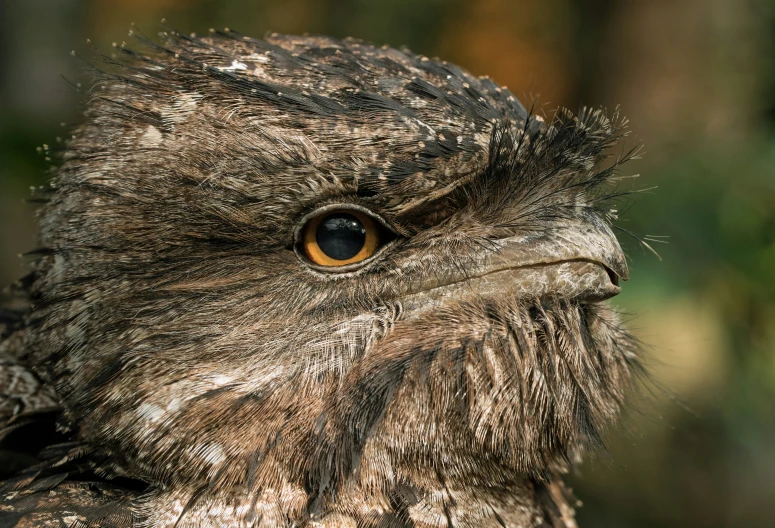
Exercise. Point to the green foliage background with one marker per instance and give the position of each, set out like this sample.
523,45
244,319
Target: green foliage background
696,78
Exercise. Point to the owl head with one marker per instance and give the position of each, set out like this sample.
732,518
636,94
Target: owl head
328,270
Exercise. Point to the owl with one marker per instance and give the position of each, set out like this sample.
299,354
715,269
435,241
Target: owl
307,282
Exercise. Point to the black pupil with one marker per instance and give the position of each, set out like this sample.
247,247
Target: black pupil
340,236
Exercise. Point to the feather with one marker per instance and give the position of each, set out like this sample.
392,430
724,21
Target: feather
174,359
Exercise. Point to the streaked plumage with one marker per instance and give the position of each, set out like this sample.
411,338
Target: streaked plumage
208,376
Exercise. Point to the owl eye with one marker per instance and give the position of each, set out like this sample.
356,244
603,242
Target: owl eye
340,237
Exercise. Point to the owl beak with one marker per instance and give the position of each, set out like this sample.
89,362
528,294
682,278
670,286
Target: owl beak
582,261
589,241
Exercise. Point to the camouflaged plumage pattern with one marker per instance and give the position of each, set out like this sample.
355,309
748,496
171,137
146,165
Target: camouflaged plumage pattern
207,377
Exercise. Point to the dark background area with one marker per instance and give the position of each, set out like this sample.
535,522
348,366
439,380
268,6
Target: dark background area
697,80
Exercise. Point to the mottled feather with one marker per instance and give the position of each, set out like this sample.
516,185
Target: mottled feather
185,368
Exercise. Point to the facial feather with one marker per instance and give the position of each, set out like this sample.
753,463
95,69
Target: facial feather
193,349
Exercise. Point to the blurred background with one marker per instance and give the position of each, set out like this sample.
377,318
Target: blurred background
697,80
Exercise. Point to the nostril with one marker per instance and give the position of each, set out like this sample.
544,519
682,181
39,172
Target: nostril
613,277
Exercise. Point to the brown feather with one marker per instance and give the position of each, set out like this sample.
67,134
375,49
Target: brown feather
208,376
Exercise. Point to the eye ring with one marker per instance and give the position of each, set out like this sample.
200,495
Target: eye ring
341,238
